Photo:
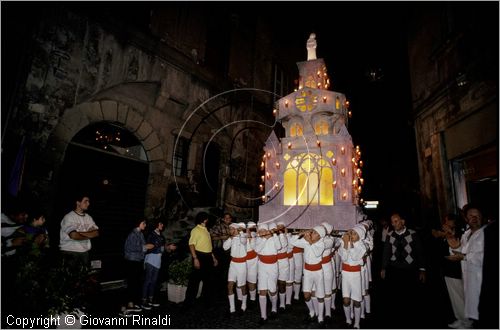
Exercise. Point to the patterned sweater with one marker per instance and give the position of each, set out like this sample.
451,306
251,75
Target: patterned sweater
403,251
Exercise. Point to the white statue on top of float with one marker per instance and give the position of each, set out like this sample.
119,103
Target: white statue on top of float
311,47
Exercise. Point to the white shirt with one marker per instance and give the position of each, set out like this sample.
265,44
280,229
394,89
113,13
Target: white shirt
237,244
268,246
312,252
75,222
353,256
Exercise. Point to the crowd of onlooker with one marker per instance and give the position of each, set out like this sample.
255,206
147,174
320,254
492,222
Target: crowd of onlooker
461,255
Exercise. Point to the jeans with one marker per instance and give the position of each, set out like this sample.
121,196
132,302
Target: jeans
150,278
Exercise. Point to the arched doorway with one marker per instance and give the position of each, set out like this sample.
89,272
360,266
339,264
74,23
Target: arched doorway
109,163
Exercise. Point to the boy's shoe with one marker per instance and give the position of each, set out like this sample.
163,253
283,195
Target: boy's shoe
146,306
154,304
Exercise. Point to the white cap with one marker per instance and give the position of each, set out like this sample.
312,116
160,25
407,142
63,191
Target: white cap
233,225
360,230
281,223
320,230
327,226
272,225
262,226
241,225
251,224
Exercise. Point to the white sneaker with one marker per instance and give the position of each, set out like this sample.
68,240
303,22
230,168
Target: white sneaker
456,325
466,324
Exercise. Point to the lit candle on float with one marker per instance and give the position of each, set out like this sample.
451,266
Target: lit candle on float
349,114
286,103
268,175
360,163
268,155
324,98
361,180
289,145
318,142
334,184
344,196
359,189
277,165
334,161
342,172
262,177
342,150
261,187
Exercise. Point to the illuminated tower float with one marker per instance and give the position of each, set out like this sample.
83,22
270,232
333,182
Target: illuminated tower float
313,174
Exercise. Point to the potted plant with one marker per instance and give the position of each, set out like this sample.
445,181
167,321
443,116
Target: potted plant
179,272
46,287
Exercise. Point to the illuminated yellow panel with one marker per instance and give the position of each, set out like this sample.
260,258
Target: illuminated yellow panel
307,165
324,128
306,102
299,130
302,189
326,189
290,188
312,186
317,128
293,130
287,156
323,162
329,154
337,103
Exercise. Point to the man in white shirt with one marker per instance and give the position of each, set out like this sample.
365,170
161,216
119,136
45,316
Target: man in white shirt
77,229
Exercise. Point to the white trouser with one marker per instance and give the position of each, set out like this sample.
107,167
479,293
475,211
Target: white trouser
237,273
351,285
267,276
252,270
314,281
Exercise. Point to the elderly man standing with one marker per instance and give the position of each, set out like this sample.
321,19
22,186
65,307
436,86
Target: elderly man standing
403,268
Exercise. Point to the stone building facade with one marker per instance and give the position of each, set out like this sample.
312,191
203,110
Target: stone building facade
453,57
171,76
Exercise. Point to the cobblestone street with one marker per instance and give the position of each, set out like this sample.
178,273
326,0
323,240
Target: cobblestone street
216,316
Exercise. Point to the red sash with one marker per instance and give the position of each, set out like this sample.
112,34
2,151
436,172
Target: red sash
251,254
349,268
326,259
312,267
268,259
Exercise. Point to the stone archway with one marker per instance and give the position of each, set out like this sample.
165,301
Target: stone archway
115,226
129,117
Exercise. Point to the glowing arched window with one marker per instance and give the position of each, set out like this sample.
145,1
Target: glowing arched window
321,128
308,180
296,130
337,103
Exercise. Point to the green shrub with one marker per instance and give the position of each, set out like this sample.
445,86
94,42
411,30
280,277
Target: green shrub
179,271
